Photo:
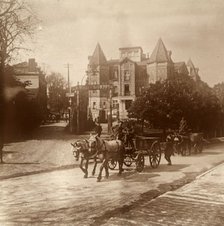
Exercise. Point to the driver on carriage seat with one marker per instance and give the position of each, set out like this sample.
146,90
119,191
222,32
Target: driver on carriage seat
130,135
120,134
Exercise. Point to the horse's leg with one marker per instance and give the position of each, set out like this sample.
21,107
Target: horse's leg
101,169
94,168
106,169
86,168
80,165
121,161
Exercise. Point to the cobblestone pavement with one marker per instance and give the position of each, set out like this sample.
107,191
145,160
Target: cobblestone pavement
198,203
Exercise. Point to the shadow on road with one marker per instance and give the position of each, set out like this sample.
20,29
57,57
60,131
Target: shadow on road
21,163
166,168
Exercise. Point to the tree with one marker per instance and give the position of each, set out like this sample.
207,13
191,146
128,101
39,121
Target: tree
218,90
57,92
164,103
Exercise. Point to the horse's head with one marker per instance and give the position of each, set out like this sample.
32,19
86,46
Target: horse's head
92,143
79,146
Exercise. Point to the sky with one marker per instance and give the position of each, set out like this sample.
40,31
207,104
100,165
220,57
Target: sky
70,29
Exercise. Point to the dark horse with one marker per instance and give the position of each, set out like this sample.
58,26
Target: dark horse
107,150
81,148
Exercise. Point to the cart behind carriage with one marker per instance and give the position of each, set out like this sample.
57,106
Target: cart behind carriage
190,142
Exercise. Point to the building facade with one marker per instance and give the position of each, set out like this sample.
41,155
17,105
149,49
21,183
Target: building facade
30,74
128,76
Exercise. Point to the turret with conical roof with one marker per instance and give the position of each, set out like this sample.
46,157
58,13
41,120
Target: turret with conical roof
160,65
98,74
193,71
98,57
160,54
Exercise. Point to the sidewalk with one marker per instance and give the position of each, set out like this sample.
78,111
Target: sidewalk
198,203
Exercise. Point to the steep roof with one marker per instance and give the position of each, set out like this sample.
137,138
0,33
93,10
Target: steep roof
160,53
190,63
98,57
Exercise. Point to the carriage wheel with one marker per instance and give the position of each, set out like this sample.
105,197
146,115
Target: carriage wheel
128,160
140,162
200,147
155,155
112,164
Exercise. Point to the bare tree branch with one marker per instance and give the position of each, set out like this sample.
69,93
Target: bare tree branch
17,23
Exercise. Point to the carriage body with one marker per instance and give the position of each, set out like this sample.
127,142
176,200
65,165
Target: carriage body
150,146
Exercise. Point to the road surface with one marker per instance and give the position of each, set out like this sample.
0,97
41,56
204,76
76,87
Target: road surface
64,197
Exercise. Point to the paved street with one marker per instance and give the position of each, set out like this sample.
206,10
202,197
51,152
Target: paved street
198,203
64,197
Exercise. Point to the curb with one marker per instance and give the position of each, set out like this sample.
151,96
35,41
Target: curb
210,170
52,169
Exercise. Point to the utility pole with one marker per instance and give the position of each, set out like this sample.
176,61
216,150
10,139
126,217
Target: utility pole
70,99
77,96
110,111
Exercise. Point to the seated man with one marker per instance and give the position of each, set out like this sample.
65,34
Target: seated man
130,135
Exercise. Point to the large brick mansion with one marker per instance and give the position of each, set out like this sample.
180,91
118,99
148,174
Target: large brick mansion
128,75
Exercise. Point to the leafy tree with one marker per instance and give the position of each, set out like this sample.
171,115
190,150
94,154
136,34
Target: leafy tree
164,103
57,99
218,90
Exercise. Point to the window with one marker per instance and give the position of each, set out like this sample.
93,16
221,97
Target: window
115,104
115,74
94,105
126,90
126,75
128,104
104,105
115,90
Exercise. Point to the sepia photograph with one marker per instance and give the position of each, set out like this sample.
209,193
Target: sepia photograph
112,112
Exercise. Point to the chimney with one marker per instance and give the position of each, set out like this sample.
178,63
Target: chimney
169,53
32,65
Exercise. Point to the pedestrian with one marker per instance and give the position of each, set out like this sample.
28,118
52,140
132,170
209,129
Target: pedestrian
98,129
168,149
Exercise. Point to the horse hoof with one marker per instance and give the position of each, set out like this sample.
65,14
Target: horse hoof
85,176
98,179
107,176
93,174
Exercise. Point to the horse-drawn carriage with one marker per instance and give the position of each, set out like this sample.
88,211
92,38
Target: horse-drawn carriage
113,152
185,144
144,146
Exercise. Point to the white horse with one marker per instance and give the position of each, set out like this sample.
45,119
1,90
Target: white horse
107,150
